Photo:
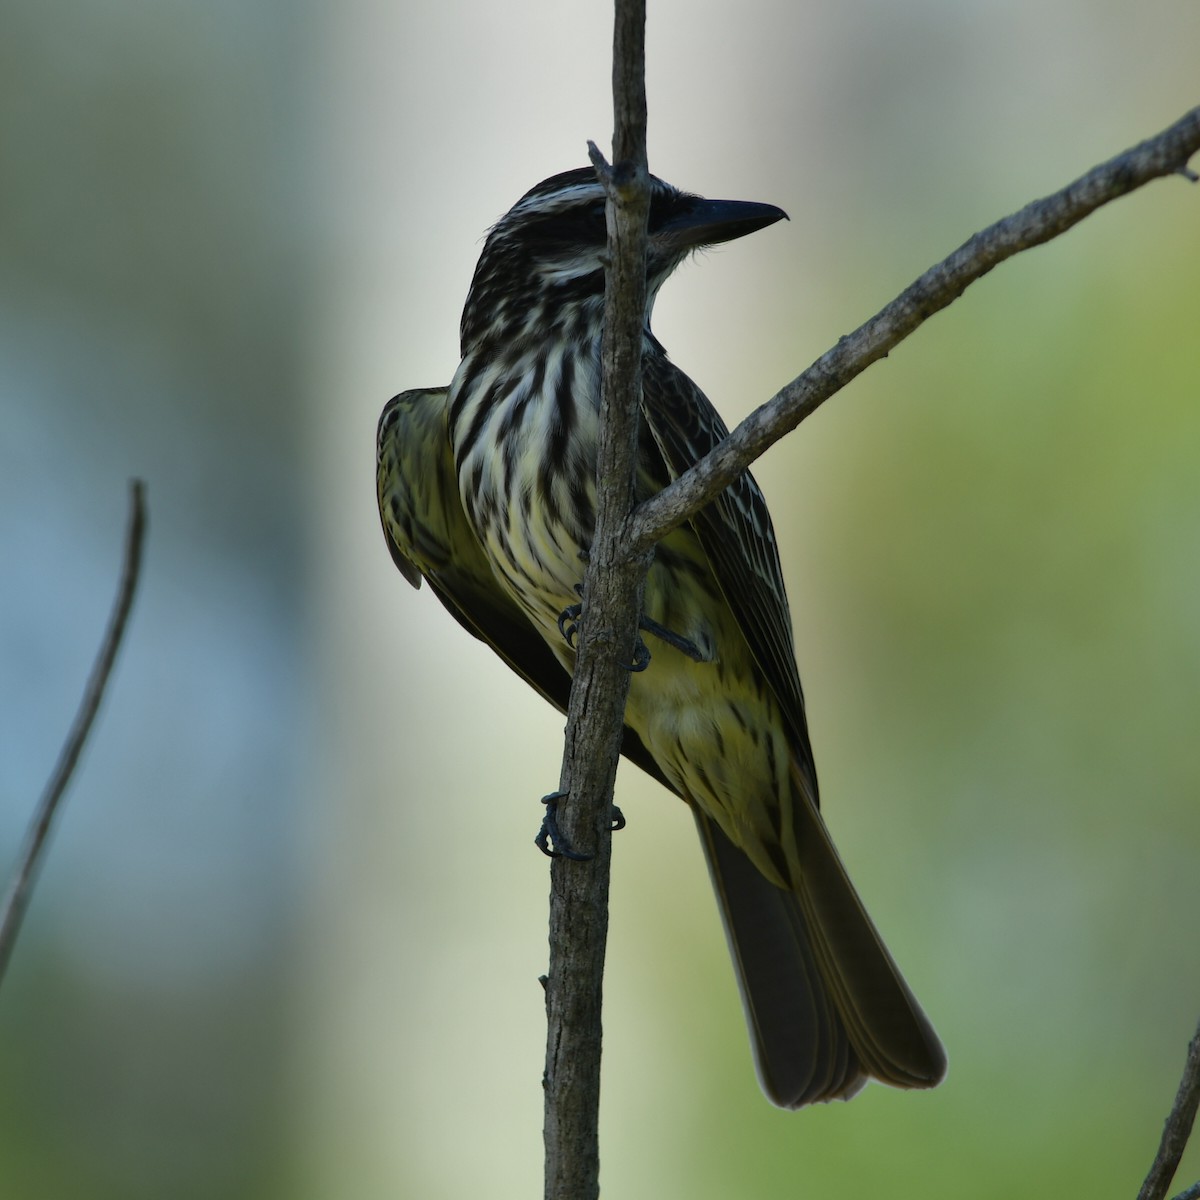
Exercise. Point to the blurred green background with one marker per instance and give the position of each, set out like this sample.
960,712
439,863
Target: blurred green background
288,939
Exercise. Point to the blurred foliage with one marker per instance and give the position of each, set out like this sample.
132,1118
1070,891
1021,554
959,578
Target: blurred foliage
149,318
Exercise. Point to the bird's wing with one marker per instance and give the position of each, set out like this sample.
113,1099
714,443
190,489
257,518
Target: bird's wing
429,537
427,532
736,533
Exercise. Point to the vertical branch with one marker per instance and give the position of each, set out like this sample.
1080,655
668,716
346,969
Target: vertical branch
611,605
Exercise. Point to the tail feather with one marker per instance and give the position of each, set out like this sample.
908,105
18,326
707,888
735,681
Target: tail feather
826,1006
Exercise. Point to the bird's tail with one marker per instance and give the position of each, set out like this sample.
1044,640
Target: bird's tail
826,1005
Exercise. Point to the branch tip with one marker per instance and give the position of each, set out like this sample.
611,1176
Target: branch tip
603,171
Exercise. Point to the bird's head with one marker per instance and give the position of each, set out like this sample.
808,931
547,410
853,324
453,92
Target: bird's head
542,265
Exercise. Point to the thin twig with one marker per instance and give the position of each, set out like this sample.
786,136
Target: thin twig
1176,1130
1165,154
612,600
17,899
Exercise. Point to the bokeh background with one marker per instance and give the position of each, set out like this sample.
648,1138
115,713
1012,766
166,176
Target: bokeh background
288,939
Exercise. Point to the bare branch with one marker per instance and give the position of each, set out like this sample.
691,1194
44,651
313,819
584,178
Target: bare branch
1165,154
624,539
612,598
1177,1130
17,899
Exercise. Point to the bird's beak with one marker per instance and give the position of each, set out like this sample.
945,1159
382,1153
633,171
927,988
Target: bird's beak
699,222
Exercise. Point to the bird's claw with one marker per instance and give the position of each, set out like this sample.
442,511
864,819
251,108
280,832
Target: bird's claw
569,619
568,623
550,839
641,657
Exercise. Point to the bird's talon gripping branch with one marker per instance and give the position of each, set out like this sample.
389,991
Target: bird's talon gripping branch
568,623
569,618
641,657
550,839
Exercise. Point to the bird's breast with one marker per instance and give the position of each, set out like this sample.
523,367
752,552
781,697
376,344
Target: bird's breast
524,440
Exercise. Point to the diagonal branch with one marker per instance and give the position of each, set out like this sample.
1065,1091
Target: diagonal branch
1165,154
1176,1130
17,899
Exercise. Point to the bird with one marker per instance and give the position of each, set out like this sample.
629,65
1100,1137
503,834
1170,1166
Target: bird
487,491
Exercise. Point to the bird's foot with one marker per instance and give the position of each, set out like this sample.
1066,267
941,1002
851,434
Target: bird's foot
570,621
550,839
682,644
